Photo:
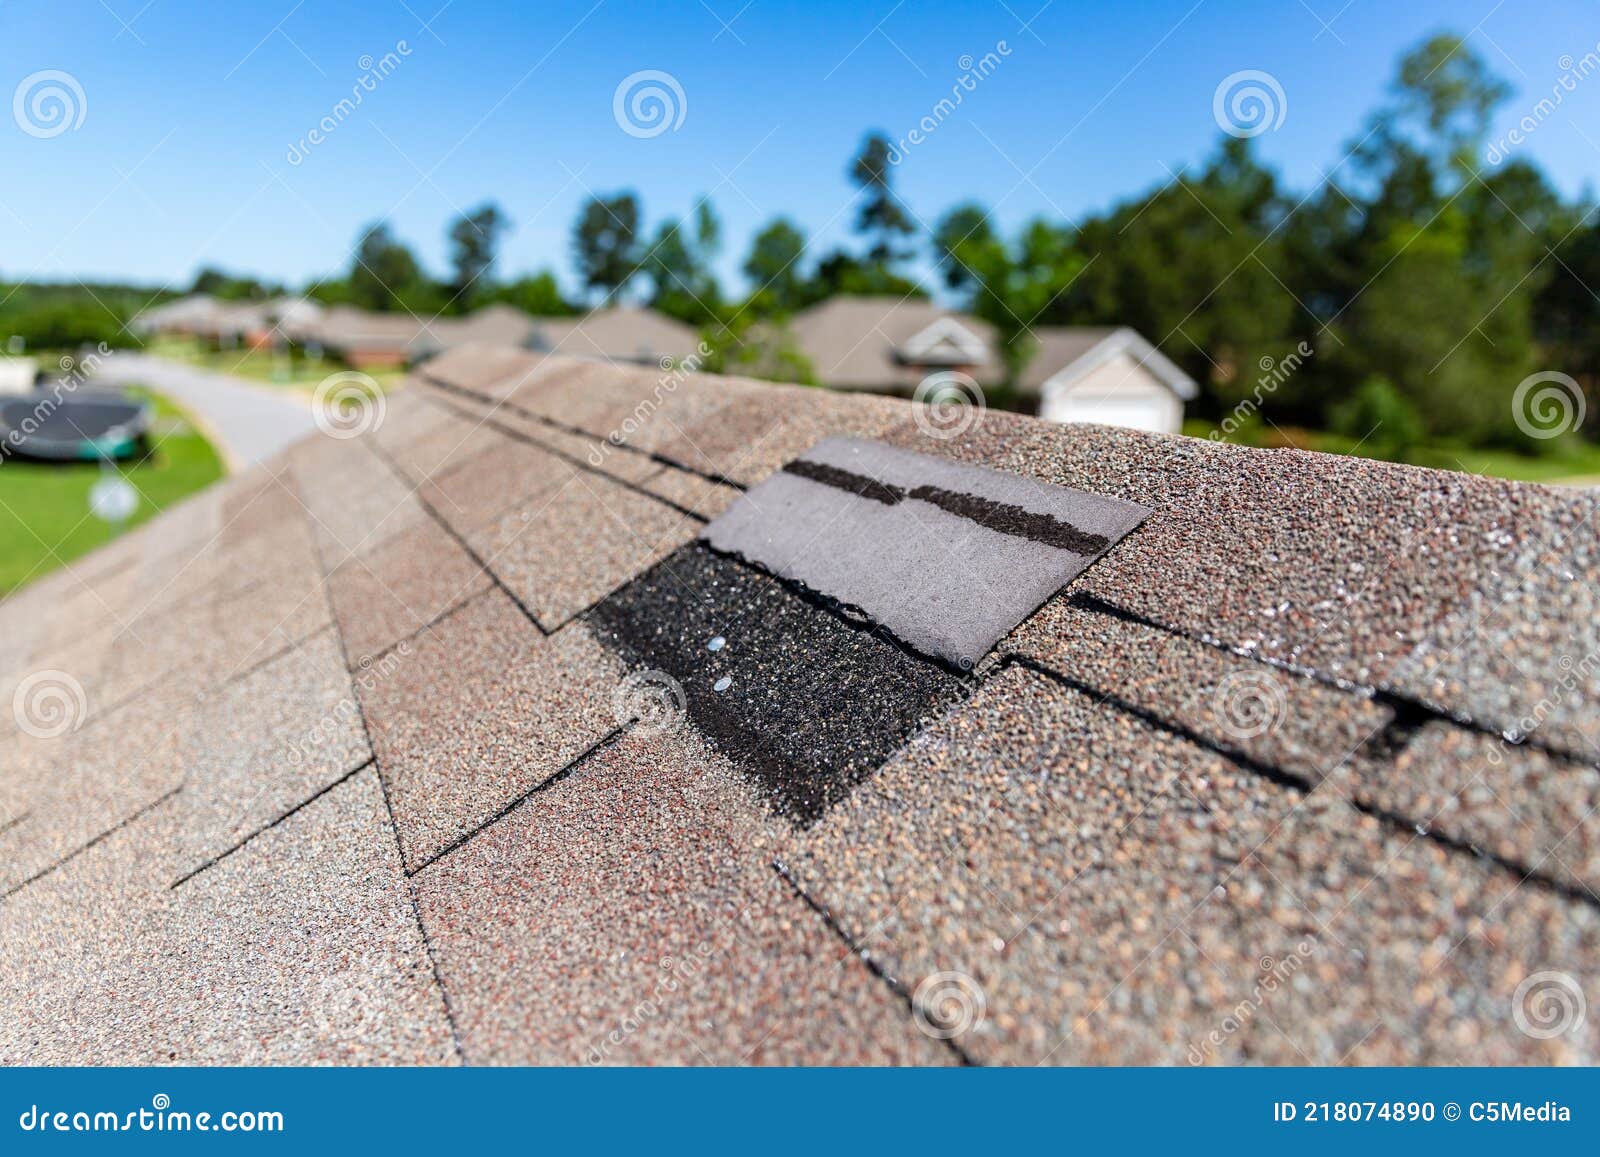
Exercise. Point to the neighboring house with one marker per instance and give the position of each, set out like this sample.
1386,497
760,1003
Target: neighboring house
617,334
497,324
890,344
365,339
623,334
235,323
1113,376
1110,376
184,317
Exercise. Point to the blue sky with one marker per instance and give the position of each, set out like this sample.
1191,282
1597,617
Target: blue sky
190,112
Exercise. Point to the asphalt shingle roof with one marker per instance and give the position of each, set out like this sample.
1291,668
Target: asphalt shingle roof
454,742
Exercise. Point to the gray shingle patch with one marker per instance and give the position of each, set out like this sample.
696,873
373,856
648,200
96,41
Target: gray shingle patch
947,557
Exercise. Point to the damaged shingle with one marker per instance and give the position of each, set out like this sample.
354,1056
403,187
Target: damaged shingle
804,703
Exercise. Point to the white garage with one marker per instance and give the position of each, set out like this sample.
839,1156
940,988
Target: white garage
1113,377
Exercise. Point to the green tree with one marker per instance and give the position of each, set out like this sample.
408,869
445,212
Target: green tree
881,218
773,266
840,272
605,243
1195,267
1009,285
679,265
967,226
538,294
385,275
474,244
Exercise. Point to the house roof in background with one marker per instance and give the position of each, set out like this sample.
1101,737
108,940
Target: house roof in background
616,334
1066,353
496,324
183,311
345,326
451,741
859,342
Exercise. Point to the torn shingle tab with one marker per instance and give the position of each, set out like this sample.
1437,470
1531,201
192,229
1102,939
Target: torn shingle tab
947,557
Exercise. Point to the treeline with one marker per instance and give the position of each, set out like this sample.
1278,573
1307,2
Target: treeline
1400,300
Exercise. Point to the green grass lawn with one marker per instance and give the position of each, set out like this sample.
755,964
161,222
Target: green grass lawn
44,507
1570,461
272,367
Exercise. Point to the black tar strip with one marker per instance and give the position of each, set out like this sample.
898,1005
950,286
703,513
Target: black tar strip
997,516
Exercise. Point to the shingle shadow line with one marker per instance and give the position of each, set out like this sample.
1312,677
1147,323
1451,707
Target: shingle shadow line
388,807
588,468
857,951
270,824
238,676
604,742
846,613
1403,705
580,432
429,627
111,831
1390,819
477,558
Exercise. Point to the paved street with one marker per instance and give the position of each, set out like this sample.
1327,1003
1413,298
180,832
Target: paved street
252,421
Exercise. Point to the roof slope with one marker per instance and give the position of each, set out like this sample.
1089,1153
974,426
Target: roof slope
413,747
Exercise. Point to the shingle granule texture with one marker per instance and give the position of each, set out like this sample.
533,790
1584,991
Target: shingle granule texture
811,706
1303,727
625,915
301,949
261,747
1462,592
477,711
450,741
565,550
392,592
1117,891
1515,802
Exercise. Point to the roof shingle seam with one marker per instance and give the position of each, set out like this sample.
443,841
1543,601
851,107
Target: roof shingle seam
864,957
78,851
383,790
589,468
595,748
483,564
426,628
1405,706
1355,798
650,455
213,861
